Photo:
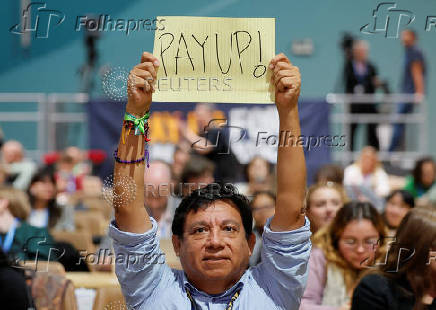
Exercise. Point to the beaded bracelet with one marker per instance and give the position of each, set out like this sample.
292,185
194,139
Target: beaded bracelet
121,161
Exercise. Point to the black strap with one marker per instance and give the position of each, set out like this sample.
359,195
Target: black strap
194,305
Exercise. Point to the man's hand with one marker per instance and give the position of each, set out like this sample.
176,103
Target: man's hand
142,79
287,80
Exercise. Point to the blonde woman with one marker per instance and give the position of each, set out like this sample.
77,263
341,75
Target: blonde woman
323,200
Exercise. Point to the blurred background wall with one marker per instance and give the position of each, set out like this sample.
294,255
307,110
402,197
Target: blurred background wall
53,64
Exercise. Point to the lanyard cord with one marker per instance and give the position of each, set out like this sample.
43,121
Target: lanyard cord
228,307
9,238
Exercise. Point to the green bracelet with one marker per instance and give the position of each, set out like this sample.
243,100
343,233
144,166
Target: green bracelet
139,123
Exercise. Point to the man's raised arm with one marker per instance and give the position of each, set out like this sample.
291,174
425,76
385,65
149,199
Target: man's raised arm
133,217
291,166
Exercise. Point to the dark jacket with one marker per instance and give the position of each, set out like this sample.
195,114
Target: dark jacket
376,292
352,79
31,243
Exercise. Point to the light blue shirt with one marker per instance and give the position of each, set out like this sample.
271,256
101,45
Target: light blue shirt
278,282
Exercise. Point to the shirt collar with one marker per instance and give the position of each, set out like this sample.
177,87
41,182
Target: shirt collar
223,296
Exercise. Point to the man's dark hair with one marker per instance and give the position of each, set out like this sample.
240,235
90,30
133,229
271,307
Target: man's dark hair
405,196
196,166
204,197
256,194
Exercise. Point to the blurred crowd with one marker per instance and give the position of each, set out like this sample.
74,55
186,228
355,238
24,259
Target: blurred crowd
353,210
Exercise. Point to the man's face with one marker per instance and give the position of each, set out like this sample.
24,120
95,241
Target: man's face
407,38
360,53
263,207
214,246
155,200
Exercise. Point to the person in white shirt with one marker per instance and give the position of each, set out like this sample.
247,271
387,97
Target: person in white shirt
368,172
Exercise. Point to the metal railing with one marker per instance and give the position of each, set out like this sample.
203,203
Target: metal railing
46,116
386,116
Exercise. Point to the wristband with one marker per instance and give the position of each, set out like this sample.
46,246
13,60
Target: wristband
139,123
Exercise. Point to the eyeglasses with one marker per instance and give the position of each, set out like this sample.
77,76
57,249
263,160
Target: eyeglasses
352,243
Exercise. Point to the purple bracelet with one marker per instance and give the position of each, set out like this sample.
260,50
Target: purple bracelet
119,160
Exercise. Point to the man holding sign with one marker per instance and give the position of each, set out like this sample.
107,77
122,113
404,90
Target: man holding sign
212,228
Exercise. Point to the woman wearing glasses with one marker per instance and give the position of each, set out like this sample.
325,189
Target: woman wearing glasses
341,251
408,278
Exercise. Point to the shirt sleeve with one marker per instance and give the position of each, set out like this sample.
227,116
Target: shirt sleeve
416,55
383,188
283,271
139,264
313,294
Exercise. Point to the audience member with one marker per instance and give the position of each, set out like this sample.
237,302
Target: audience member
14,293
45,210
360,77
213,141
197,173
323,200
408,279
80,167
3,175
66,180
262,207
259,177
413,82
17,165
423,178
159,198
180,158
398,204
330,173
342,250
20,240
368,173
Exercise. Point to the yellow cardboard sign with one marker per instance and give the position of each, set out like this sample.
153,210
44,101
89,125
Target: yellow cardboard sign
214,59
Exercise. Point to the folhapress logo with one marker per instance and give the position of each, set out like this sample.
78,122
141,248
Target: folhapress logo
41,23
389,20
